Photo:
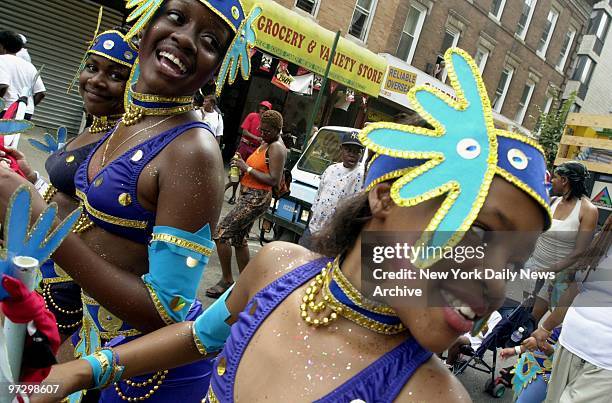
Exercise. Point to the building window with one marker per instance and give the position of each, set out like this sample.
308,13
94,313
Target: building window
451,38
548,104
362,16
410,33
584,69
481,57
502,89
524,102
525,18
497,8
598,26
310,6
565,48
549,28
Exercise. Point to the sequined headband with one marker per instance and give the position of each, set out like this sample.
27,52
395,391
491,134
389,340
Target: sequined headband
457,158
232,13
113,46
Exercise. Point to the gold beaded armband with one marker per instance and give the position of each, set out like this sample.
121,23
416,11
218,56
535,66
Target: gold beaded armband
48,194
197,341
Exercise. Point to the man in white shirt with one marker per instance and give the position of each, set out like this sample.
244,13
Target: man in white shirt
23,53
339,181
20,76
212,117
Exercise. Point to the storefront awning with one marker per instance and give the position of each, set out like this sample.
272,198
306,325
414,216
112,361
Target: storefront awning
290,36
401,76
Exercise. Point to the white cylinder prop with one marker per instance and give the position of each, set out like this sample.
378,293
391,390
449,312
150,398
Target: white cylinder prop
24,269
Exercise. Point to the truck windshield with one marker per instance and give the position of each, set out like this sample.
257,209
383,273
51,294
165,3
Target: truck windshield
322,152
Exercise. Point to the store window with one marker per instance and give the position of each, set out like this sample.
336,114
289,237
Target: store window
411,32
362,18
310,6
565,48
481,57
547,33
525,18
502,89
524,102
497,8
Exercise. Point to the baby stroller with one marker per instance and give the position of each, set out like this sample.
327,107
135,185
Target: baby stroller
514,315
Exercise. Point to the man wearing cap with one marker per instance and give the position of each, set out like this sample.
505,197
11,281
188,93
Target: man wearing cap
338,182
251,136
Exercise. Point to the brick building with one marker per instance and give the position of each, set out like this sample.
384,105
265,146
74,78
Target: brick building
522,46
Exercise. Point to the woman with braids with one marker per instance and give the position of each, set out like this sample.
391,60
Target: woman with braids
573,225
152,190
262,171
102,82
296,327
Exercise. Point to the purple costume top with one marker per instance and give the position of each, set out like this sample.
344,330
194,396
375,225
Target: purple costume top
381,381
110,199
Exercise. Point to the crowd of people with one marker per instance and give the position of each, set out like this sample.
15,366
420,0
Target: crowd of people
295,325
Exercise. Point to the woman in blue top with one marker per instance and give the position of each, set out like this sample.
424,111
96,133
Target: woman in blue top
301,329
152,188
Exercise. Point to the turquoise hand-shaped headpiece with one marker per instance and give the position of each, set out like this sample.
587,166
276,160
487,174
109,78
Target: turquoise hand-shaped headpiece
460,152
239,53
51,144
38,242
12,126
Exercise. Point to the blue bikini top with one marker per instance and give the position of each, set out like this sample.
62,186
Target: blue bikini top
110,199
381,381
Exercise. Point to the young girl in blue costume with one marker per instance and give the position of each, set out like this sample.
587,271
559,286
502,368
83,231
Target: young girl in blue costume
152,188
102,82
302,331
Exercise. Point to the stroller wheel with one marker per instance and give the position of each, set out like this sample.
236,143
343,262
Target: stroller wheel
498,391
489,386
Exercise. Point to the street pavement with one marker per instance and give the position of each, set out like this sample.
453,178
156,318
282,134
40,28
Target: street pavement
472,380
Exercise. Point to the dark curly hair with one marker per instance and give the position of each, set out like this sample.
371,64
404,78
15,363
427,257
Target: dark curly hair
273,118
577,175
10,41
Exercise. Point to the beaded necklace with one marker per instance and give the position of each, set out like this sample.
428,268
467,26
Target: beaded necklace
141,105
343,299
103,124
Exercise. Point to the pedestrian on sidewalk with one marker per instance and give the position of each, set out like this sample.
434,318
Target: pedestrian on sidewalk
250,139
263,170
338,182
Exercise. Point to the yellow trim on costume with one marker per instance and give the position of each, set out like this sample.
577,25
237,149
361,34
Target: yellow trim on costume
356,297
188,99
104,334
197,341
123,222
183,243
111,58
521,138
211,396
525,188
222,16
161,310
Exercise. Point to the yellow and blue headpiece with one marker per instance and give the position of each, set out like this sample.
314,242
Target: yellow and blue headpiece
458,158
232,13
114,46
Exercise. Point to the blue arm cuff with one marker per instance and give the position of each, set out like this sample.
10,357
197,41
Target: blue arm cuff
177,260
210,329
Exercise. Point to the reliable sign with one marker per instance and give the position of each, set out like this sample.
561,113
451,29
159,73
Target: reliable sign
299,40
